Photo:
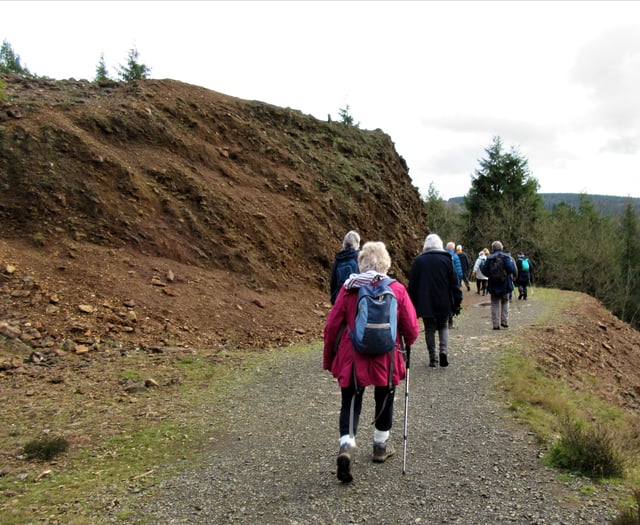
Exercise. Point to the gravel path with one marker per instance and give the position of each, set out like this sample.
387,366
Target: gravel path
466,463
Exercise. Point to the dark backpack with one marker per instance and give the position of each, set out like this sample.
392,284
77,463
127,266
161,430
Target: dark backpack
495,270
344,269
375,326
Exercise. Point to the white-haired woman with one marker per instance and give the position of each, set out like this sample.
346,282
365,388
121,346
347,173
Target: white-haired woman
354,370
436,294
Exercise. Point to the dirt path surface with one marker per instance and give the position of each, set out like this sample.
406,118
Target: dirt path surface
466,463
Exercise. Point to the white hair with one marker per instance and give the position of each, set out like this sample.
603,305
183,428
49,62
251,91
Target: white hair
432,242
351,240
374,256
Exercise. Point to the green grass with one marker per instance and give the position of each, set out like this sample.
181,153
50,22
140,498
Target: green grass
581,432
93,482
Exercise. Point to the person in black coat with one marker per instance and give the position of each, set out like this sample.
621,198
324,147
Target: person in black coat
436,295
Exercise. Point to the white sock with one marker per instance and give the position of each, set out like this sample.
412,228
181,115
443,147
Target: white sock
347,439
380,436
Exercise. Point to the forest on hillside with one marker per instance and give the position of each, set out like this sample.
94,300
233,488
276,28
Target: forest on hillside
604,204
580,242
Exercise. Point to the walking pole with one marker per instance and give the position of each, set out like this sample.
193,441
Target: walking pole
406,410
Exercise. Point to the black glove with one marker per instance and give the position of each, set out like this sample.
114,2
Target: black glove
457,308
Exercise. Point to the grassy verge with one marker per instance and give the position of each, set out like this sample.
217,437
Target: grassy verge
119,444
577,429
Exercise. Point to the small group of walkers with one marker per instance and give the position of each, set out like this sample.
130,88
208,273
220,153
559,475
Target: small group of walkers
433,294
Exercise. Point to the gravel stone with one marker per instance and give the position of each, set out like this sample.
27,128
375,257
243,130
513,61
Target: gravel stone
467,462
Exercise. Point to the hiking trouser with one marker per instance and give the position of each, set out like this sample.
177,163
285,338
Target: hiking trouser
522,291
383,413
431,326
499,310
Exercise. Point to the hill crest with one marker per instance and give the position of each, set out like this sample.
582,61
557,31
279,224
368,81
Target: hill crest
110,187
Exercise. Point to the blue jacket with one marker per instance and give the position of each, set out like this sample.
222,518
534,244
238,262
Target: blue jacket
502,288
456,265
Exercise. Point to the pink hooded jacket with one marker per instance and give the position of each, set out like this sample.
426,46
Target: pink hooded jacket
369,370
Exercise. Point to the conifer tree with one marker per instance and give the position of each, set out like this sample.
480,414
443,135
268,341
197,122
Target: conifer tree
10,61
133,69
503,202
101,70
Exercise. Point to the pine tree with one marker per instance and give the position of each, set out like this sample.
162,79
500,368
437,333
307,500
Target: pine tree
503,202
133,70
10,61
346,117
101,70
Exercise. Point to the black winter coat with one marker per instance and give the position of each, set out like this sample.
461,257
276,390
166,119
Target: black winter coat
433,285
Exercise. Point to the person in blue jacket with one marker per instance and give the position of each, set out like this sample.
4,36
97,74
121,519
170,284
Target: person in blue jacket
499,268
457,266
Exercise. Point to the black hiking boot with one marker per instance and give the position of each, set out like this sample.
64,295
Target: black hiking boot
382,452
443,360
344,464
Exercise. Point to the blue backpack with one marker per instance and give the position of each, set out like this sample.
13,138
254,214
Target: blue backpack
375,327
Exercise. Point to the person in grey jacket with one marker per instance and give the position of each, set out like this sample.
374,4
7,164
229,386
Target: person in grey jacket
436,294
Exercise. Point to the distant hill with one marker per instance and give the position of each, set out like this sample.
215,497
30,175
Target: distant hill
605,204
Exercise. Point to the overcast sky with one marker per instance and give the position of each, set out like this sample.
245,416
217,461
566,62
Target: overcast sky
557,80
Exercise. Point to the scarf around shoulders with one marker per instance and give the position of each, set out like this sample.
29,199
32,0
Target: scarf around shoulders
358,280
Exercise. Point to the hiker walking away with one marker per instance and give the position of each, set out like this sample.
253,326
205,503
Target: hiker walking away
499,268
457,267
481,279
436,295
345,263
524,275
465,265
355,370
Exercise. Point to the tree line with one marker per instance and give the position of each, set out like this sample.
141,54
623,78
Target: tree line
571,247
133,69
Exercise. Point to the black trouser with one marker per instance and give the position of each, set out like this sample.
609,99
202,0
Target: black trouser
522,290
384,408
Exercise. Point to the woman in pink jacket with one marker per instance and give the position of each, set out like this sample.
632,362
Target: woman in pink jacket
344,361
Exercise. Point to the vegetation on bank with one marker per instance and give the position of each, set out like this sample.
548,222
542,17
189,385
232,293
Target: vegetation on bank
86,476
580,433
